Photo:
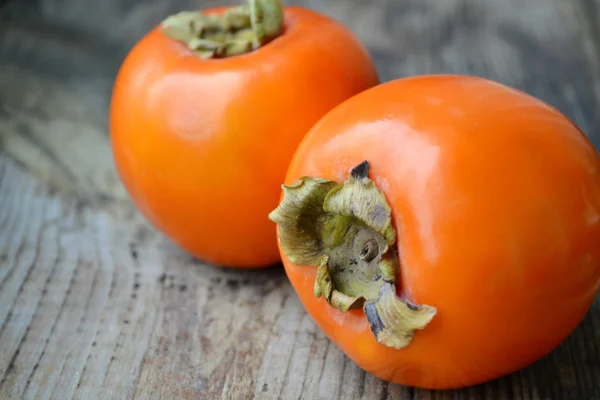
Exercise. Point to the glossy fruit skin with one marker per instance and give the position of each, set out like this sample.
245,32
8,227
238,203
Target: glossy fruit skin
202,146
495,198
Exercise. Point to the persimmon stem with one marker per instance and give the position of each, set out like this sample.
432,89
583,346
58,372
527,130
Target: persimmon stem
346,231
237,31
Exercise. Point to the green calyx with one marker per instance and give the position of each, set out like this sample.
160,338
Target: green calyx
345,230
237,31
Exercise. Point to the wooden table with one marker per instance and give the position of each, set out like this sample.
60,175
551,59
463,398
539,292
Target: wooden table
94,303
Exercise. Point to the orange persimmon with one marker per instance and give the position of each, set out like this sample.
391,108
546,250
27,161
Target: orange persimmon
207,110
443,230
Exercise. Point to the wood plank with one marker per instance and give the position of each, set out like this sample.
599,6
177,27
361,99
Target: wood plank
111,306
70,100
588,17
409,37
94,301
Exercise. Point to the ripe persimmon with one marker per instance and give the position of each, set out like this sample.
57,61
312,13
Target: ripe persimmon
443,230
207,110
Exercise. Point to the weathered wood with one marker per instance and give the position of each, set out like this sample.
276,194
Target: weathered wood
96,304
58,61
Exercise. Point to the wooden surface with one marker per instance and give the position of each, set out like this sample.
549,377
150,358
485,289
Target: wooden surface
96,304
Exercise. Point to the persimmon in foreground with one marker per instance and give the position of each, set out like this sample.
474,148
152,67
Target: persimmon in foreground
208,109
443,230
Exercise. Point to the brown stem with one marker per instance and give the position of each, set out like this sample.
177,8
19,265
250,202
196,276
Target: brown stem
237,31
346,230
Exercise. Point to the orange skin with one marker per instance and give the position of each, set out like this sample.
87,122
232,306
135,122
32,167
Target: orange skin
202,146
496,202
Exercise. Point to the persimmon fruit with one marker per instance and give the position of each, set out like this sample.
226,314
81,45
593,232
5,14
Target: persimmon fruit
443,230
207,110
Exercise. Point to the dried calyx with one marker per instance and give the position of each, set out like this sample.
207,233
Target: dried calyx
238,30
345,230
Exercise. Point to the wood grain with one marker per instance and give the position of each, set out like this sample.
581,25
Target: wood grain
94,303
58,60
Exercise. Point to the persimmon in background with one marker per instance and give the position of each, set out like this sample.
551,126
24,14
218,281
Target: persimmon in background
458,234
208,109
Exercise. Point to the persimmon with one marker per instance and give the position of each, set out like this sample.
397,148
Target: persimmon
207,110
443,230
